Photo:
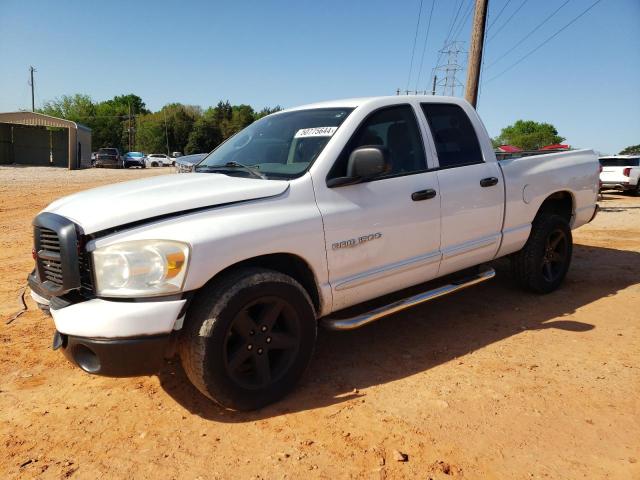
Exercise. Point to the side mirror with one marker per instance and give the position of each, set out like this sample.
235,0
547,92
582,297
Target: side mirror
364,163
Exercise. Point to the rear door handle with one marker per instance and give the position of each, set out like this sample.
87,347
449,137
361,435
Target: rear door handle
489,182
423,194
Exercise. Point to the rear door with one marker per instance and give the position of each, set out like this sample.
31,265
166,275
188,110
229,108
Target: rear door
382,235
471,189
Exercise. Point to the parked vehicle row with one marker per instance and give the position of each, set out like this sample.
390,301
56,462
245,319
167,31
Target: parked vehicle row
111,157
308,216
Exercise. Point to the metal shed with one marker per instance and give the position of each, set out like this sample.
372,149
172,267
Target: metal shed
36,139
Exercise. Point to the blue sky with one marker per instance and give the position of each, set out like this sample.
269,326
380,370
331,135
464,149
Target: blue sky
586,81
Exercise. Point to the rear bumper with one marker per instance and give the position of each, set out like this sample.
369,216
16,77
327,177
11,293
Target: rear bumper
125,357
616,186
106,163
137,163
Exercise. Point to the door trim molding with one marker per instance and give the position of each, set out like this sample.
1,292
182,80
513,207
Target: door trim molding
469,247
393,269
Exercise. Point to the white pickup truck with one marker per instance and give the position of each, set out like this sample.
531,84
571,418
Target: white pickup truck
301,215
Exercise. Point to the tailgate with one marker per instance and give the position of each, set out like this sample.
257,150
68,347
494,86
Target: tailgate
613,175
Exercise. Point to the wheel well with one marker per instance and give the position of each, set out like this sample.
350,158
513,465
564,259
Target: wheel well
559,203
285,263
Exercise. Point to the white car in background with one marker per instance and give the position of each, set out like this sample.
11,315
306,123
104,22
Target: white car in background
160,160
620,172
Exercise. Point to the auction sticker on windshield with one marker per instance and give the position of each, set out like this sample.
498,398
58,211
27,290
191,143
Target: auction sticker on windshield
315,132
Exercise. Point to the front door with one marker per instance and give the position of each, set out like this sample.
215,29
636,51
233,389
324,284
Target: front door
380,236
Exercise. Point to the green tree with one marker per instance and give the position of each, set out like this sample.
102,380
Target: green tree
631,150
267,111
150,133
528,135
77,108
206,134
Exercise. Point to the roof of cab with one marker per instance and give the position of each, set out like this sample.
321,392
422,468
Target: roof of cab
357,102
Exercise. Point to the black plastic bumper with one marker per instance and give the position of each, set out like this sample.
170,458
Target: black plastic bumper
37,287
124,357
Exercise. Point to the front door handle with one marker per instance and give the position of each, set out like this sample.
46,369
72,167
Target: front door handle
489,182
423,194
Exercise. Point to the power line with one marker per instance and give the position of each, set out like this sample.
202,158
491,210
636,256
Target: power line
454,21
446,39
507,20
546,41
415,39
424,46
464,19
506,4
528,35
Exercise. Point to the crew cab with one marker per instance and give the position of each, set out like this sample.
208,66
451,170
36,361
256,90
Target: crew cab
295,222
621,172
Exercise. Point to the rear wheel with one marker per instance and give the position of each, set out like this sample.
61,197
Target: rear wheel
544,261
248,338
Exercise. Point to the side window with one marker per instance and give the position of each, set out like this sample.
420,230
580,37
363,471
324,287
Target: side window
456,140
394,128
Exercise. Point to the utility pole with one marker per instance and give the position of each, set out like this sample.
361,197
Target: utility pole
129,126
166,131
475,52
433,87
33,100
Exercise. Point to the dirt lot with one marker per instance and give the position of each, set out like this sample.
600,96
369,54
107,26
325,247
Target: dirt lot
491,383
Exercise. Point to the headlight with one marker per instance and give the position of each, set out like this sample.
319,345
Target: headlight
143,268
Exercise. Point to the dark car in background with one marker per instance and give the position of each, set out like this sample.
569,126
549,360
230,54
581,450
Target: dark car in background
185,163
108,157
135,159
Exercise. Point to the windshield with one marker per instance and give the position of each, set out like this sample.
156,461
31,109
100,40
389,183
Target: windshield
108,151
279,146
134,154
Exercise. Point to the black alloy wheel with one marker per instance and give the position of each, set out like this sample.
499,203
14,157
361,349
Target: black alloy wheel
555,255
262,342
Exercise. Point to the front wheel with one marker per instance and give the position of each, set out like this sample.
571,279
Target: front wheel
544,261
248,338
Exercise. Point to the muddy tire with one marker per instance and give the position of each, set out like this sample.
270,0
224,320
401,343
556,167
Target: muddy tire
248,338
543,263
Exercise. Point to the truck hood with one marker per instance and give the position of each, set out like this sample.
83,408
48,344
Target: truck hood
123,203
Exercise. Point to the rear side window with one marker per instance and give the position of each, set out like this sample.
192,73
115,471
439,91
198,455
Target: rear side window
456,140
394,128
620,162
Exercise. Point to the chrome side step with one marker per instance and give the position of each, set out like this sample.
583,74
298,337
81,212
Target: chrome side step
378,313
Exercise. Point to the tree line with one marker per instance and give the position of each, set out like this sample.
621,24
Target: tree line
175,127
191,129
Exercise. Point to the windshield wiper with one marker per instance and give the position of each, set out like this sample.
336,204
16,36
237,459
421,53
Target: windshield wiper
230,165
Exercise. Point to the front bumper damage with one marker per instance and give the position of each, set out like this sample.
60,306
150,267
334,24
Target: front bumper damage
116,338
